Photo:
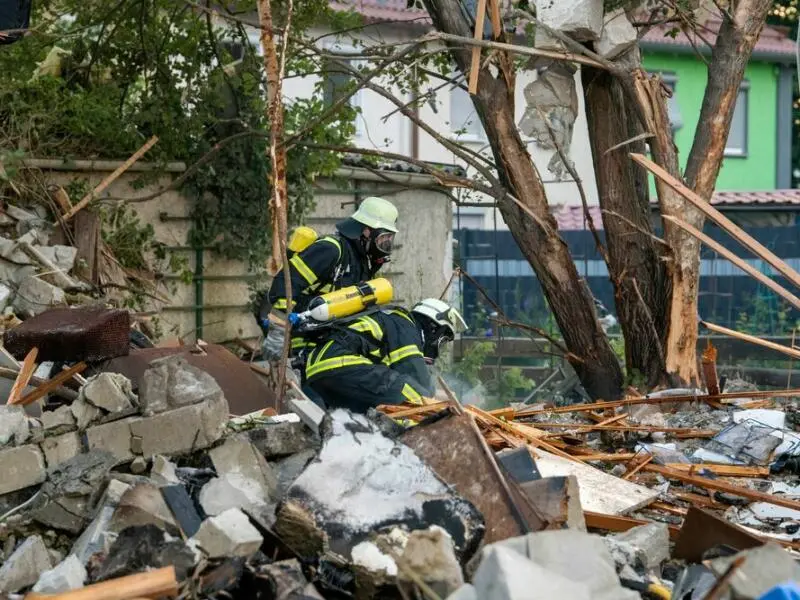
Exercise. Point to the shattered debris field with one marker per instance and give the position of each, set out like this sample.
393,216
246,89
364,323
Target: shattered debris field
147,473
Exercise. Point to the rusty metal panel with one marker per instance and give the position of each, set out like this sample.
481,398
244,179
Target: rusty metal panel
244,390
702,530
449,446
72,335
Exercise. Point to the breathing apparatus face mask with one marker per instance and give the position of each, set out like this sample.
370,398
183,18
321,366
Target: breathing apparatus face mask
434,336
379,245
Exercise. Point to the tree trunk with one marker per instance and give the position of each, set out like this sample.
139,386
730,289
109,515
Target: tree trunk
732,50
591,355
636,267
681,327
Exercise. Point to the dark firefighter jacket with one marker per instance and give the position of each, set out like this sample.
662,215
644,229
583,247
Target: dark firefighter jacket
375,359
330,263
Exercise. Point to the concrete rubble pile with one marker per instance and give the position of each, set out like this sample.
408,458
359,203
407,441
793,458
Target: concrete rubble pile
134,480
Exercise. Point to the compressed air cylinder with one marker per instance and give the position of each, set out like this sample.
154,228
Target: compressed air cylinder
301,238
350,300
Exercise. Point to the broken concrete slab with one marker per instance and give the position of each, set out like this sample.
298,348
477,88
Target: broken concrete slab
465,592
61,256
25,565
141,505
35,296
58,419
618,35
762,569
430,555
229,534
507,575
111,392
144,547
652,540
21,467
14,427
238,456
234,490
183,429
582,20
289,469
72,489
138,465
581,557
163,472
277,440
599,492
309,413
84,413
171,382
114,437
68,575
362,481
6,296
61,448
72,334
242,388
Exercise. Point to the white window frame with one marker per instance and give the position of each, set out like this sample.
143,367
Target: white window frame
455,128
744,92
356,100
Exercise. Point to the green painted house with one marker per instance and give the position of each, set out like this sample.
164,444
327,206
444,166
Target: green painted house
759,148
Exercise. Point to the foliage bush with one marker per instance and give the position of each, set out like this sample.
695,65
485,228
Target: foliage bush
136,68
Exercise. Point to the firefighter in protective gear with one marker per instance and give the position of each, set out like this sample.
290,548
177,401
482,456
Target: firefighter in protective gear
382,357
361,246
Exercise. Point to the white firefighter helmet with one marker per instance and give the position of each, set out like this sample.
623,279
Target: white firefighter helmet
377,213
442,314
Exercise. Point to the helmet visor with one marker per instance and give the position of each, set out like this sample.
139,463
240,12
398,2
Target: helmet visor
384,242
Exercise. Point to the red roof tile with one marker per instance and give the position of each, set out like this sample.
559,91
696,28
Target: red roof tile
773,40
571,218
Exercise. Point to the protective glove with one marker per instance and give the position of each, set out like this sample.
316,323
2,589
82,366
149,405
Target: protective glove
272,346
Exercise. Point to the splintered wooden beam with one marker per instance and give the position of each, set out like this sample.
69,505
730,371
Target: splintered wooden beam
741,263
722,486
111,178
52,384
527,433
24,377
709,361
648,458
583,428
660,400
752,339
152,584
721,470
712,213
475,64
617,523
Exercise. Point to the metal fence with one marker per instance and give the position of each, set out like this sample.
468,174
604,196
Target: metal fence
728,296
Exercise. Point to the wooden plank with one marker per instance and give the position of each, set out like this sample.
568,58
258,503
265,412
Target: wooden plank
664,400
527,433
696,499
621,457
722,486
475,64
52,384
599,491
668,508
24,377
742,264
709,362
712,213
721,470
648,428
152,584
648,458
752,339
111,178
87,241
619,523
